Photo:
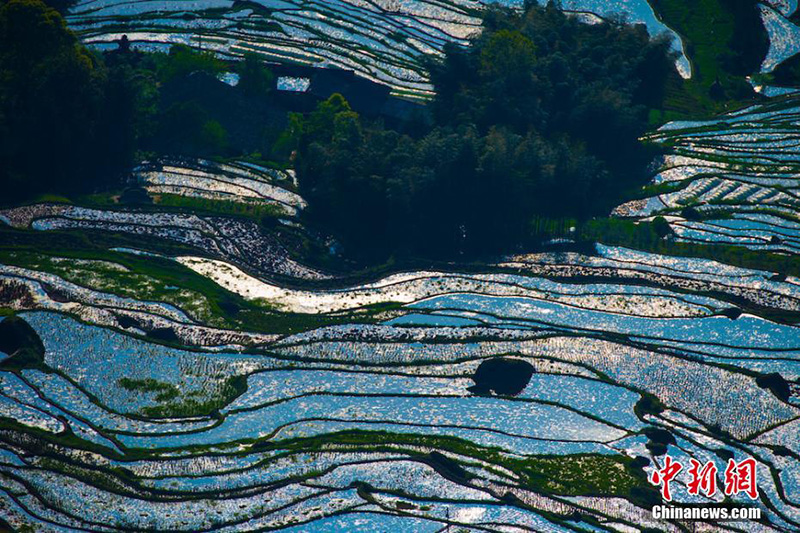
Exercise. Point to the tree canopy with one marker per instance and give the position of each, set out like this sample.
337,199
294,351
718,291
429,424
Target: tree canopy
74,121
54,122
541,115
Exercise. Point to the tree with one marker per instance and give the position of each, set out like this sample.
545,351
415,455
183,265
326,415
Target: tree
51,104
213,138
540,117
183,60
507,53
186,128
255,79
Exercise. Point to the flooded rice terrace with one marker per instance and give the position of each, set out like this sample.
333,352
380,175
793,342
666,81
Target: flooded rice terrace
160,405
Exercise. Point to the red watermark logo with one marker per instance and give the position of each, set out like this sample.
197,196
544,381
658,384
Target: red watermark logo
739,478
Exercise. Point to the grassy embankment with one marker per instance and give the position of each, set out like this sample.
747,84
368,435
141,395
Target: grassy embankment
724,41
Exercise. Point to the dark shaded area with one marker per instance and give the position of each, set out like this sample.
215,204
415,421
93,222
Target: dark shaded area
783,451
229,306
776,384
126,321
645,496
731,312
225,119
63,116
778,277
725,39
658,440
656,448
648,404
164,335
55,293
661,227
540,116
691,213
577,516
716,91
62,6
251,116
447,467
502,375
135,196
21,343
749,43
787,73
724,454
366,97
717,431
661,436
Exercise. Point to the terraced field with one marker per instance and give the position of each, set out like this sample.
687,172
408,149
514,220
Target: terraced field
193,373
383,40
195,376
734,177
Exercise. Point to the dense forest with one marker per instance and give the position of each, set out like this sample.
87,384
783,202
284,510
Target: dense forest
541,115
59,116
74,121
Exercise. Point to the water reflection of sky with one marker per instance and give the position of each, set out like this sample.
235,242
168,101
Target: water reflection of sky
747,331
